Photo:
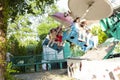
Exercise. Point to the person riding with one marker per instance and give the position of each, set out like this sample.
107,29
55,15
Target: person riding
52,37
82,31
75,28
59,39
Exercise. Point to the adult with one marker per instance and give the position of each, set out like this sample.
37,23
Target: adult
75,28
95,41
91,40
8,55
82,30
89,43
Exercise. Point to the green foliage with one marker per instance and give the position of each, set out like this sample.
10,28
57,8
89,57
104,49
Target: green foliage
8,72
44,28
39,48
117,48
21,7
27,30
14,47
102,37
26,48
12,9
20,30
76,50
96,30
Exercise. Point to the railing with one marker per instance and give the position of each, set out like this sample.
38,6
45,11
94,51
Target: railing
33,63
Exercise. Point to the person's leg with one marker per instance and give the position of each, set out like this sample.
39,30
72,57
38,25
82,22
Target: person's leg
80,36
84,37
91,44
61,43
95,45
52,43
49,43
95,41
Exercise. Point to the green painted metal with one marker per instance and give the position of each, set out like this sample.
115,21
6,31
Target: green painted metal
111,25
110,52
25,63
60,65
66,50
34,62
104,24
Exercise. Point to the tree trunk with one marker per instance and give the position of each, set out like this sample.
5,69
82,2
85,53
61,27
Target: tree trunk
3,29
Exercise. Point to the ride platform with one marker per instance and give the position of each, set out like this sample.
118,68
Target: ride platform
54,46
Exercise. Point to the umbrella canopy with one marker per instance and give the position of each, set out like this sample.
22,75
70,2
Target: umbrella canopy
64,20
90,9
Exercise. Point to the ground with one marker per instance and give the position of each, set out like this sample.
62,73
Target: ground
60,74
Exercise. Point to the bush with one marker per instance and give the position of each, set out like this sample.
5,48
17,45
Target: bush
76,51
8,72
96,30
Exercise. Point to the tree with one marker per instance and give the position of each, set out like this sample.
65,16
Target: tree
10,9
3,28
23,29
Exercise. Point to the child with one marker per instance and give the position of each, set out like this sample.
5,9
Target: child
52,37
59,39
59,29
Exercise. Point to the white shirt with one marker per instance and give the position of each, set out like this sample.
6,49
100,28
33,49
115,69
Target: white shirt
77,27
8,56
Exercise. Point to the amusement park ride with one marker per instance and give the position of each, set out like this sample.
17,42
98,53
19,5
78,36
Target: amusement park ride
101,10
109,20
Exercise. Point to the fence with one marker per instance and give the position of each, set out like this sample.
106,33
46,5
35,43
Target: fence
33,63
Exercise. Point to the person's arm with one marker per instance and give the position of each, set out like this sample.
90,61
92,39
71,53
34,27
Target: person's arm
50,36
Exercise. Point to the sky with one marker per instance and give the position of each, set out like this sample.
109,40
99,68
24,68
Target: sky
63,5
115,3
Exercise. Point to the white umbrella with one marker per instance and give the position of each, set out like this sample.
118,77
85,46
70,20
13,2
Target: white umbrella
90,9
